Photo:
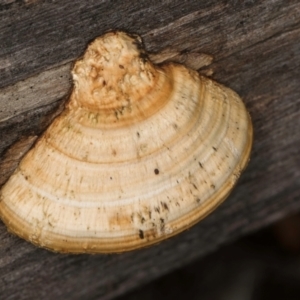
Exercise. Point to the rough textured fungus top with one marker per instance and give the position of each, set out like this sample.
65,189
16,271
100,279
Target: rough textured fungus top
112,72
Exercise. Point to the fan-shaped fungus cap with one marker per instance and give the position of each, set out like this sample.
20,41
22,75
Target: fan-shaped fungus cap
140,153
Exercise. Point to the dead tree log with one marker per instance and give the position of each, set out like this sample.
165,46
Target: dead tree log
256,50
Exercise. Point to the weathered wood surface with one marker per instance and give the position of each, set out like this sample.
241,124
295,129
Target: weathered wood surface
256,50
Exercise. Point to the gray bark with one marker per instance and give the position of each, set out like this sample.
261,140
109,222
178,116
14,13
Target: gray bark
255,47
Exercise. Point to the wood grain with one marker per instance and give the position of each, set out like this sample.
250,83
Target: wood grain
256,50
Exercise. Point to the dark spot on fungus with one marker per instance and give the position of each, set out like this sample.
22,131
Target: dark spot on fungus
164,205
214,148
162,224
138,134
121,67
104,83
156,208
141,234
156,171
198,200
213,186
201,166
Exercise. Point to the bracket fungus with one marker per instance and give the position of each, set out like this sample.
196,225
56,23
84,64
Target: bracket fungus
140,153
